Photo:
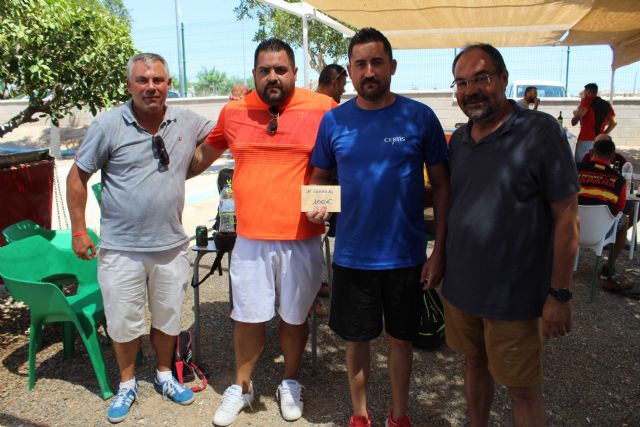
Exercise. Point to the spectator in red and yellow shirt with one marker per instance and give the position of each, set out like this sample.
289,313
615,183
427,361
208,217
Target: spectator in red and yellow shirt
600,184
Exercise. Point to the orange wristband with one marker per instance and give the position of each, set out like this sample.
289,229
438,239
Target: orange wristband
79,233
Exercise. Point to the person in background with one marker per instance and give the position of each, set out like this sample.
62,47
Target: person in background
595,116
506,285
332,80
600,184
139,147
379,142
277,255
530,98
616,163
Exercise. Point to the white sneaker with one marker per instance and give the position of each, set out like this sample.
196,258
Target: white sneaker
289,396
233,401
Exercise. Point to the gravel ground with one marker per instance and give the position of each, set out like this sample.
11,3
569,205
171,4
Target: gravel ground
591,376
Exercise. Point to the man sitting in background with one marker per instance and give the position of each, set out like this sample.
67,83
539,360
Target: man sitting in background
600,184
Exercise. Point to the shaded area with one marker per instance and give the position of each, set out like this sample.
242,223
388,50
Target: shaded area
590,375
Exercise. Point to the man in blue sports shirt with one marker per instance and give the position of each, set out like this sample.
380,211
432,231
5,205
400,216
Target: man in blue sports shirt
380,142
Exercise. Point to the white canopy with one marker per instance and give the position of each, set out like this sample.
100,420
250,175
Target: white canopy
413,24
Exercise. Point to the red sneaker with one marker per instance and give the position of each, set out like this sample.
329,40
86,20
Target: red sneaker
360,421
404,421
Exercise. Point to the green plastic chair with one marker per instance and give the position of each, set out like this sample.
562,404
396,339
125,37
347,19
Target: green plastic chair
97,192
27,228
33,270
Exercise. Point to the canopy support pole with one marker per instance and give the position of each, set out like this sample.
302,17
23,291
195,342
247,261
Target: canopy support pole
611,85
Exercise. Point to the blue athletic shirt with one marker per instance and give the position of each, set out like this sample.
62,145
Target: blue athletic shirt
379,155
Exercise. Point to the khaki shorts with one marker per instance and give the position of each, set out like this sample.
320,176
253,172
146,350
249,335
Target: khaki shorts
127,278
266,271
513,348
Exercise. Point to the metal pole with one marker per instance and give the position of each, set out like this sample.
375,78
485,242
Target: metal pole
184,61
566,75
183,90
305,44
611,86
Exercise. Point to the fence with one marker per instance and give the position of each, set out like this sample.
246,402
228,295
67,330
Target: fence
227,45
627,133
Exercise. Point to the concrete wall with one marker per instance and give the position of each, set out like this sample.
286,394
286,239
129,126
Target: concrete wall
443,103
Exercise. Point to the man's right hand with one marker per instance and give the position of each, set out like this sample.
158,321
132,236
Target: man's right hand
319,216
83,247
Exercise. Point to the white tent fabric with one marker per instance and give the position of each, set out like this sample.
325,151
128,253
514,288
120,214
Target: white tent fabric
413,24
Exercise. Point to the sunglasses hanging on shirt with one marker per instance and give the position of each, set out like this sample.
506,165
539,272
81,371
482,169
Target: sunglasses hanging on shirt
272,126
163,155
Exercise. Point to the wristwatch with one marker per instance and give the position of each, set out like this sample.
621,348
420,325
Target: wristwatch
561,294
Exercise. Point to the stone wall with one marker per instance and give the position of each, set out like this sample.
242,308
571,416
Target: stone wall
443,103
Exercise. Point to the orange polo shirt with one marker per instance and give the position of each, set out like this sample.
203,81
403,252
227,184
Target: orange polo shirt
271,167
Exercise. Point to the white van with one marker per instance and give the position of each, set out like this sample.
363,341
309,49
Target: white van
546,89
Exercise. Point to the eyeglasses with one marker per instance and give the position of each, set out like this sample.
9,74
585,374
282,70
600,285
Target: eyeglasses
158,142
484,80
272,126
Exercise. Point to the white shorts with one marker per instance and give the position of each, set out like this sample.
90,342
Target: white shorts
265,270
126,277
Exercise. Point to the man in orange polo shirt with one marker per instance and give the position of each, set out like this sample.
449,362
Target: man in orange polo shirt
277,256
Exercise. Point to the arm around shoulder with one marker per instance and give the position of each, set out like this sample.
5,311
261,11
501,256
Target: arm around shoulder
204,155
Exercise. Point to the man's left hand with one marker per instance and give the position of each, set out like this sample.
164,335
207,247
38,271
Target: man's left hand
432,271
556,318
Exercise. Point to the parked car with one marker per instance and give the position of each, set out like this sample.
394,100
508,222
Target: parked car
173,94
546,89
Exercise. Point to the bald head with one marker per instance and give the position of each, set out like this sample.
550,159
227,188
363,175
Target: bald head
603,147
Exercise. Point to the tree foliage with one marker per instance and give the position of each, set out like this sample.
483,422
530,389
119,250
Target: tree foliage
61,54
324,42
213,82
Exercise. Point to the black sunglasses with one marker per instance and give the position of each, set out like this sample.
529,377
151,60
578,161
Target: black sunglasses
158,142
272,126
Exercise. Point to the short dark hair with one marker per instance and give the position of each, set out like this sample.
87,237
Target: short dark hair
367,35
591,87
331,72
274,45
494,54
604,147
526,91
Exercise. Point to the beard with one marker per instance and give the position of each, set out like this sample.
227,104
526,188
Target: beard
375,92
479,114
274,94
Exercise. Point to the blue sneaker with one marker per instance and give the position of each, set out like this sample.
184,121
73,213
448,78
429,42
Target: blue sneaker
172,389
119,408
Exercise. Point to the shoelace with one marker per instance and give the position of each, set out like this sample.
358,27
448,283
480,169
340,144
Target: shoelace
291,395
229,400
171,387
122,397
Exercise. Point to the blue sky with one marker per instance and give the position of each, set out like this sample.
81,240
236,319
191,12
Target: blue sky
213,38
